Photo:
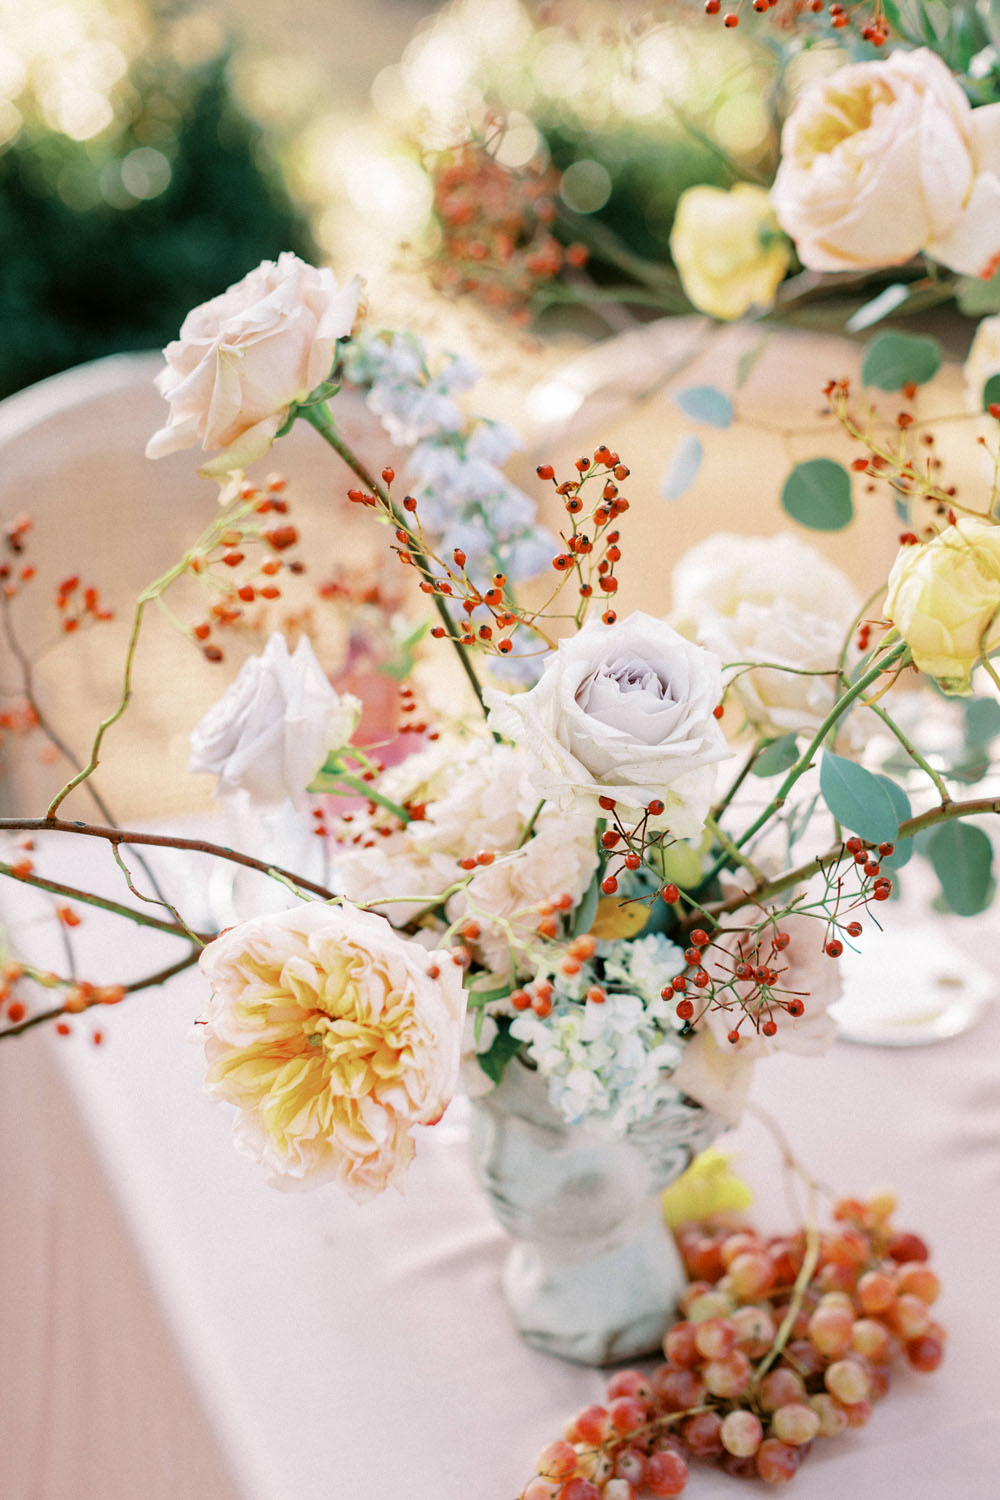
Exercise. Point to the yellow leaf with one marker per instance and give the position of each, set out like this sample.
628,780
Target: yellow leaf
707,1187
617,920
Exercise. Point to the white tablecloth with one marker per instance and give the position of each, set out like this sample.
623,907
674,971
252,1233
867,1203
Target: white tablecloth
171,1327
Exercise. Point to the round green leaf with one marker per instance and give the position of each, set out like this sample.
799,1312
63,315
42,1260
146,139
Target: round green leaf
817,493
991,392
705,403
860,800
962,856
893,360
779,755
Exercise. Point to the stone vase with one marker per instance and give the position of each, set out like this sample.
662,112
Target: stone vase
593,1273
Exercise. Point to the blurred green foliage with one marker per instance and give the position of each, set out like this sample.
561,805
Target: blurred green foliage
88,268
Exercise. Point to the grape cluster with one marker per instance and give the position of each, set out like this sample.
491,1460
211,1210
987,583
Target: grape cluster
783,1340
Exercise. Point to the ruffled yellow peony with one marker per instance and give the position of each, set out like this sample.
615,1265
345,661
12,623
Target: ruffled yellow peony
944,599
728,249
328,1032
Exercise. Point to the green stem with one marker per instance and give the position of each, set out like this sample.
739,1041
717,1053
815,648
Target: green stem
366,790
145,598
529,827
913,753
748,766
320,417
805,760
733,852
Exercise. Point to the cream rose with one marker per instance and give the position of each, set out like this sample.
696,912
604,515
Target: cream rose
884,159
327,1032
243,358
982,361
622,711
273,729
728,249
944,599
768,599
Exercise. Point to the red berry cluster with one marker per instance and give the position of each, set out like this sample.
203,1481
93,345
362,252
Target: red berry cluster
491,614
629,846
221,563
495,222
75,604
899,452
870,19
783,1340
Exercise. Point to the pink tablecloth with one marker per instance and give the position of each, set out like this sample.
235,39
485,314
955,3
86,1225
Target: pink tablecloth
173,1328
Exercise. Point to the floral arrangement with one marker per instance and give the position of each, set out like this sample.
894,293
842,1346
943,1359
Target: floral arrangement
552,835
567,869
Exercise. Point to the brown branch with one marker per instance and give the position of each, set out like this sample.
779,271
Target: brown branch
907,830
160,977
117,836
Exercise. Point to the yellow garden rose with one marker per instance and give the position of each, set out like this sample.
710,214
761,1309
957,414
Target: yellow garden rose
334,1035
728,249
944,599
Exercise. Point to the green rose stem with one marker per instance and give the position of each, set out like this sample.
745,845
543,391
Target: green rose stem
160,977
318,415
146,597
805,760
913,753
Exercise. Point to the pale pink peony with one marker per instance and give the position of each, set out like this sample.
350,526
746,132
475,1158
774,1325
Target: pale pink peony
329,1034
243,358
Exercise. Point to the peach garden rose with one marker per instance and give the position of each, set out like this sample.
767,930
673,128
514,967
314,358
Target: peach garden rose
333,1035
884,159
242,359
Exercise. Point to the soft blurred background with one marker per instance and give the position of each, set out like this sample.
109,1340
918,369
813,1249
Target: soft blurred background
153,151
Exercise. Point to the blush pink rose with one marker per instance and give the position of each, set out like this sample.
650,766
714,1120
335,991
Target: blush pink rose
245,357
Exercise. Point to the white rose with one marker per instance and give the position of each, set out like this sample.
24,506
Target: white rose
982,361
884,159
768,599
622,711
272,731
243,358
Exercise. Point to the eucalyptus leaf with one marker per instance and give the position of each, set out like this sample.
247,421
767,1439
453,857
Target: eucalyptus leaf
501,1051
879,307
991,392
817,493
682,471
583,917
705,403
903,852
977,298
962,856
779,755
982,720
894,359
860,800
